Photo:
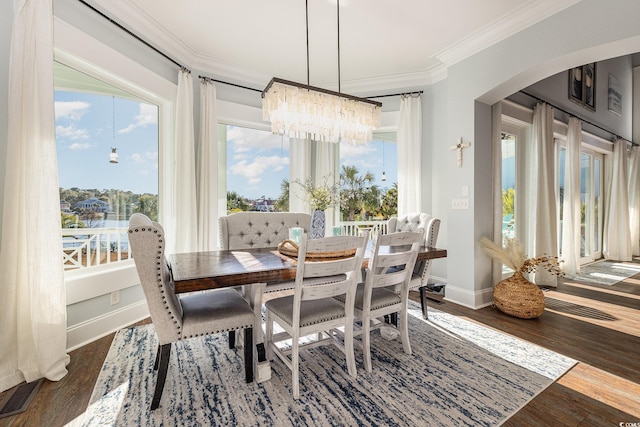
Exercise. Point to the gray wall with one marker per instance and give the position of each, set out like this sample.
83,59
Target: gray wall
576,36
555,90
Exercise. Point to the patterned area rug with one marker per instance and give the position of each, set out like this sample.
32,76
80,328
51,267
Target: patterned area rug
460,373
605,272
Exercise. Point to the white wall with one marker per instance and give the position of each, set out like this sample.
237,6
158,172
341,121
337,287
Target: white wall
578,35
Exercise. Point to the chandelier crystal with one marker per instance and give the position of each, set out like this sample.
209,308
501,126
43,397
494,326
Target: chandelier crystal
302,111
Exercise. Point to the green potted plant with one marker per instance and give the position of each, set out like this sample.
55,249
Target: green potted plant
320,197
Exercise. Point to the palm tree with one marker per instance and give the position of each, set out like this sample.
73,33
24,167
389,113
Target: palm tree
282,204
390,202
353,189
236,202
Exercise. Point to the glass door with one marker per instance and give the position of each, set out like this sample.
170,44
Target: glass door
591,205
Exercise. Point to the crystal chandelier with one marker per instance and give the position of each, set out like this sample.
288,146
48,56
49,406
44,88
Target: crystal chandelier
302,111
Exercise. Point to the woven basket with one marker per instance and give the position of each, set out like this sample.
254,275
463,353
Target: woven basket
290,249
518,297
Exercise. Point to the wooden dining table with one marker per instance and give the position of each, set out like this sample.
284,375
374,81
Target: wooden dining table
259,268
197,271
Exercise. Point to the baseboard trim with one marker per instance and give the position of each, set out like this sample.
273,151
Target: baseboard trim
98,327
466,298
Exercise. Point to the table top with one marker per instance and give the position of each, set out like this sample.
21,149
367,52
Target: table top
196,271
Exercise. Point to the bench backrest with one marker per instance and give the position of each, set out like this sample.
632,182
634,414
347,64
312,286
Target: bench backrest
254,230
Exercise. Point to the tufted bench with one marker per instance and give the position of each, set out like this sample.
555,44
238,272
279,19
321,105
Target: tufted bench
254,230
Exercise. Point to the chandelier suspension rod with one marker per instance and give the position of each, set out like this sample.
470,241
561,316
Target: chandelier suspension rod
338,9
306,8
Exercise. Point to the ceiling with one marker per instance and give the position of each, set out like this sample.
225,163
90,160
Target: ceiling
384,44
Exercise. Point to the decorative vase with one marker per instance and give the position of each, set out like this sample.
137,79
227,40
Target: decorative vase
518,297
317,224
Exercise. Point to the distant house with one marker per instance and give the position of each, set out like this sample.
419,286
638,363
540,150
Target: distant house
65,206
93,204
263,205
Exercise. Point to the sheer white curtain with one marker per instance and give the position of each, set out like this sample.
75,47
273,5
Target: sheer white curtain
207,168
409,155
634,199
326,159
541,226
617,242
299,169
182,225
571,215
496,164
33,318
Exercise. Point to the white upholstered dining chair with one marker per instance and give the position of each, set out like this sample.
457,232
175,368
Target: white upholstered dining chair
181,317
385,290
422,270
312,309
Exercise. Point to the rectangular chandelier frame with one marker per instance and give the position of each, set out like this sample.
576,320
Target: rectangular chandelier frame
302,111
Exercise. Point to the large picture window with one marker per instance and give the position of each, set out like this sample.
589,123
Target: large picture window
257,170
107,152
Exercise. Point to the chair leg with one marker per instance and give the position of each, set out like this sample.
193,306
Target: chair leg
248,354
155,365
295,366
348,349
232,339
366,344
164,352
394,319
423,302
404,331
269,337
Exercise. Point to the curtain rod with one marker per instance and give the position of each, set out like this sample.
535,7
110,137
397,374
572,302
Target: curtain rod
419,92
155,49
577,117
135,36
230,84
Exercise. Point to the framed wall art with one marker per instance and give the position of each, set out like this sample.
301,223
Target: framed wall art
614,103
582,85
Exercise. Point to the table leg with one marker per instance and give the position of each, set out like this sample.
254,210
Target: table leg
262,367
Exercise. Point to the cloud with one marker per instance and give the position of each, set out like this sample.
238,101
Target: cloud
253,171
148,116
80,146
71,132
245,140
72,110
151,156
360,156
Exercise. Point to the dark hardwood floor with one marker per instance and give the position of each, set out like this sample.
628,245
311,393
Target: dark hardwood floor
597,325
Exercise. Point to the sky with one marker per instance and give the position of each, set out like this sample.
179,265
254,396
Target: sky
258,161
89,125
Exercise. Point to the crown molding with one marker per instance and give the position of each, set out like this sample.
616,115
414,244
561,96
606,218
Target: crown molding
519,19
135,20
529,14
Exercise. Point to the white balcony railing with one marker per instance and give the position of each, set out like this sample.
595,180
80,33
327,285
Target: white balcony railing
375,227
86,247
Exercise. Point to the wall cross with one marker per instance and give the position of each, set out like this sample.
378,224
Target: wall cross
459,146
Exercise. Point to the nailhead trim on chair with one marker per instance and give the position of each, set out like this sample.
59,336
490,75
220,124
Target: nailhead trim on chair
217,331
160,279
